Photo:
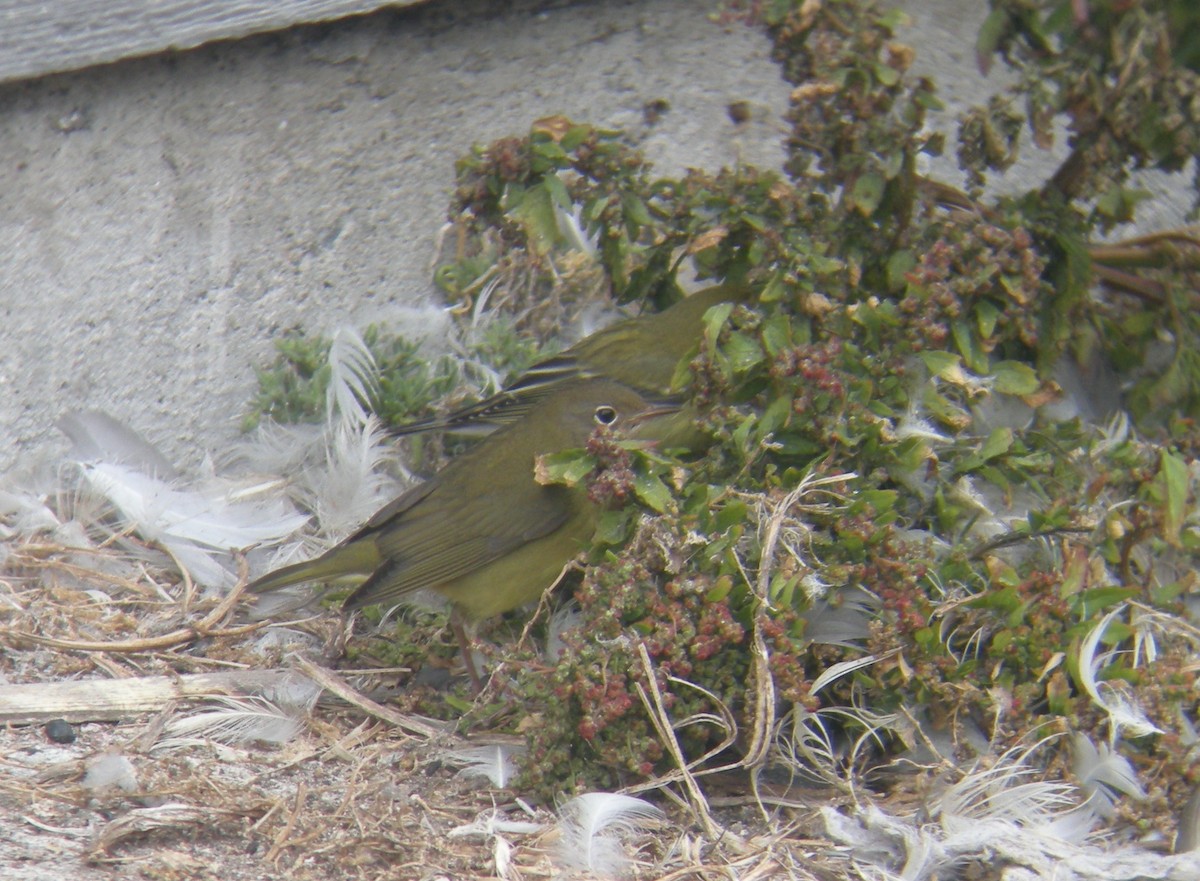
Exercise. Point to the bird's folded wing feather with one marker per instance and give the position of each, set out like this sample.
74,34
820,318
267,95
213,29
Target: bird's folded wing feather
427,551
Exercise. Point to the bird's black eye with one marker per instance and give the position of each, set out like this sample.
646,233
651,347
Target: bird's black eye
605,415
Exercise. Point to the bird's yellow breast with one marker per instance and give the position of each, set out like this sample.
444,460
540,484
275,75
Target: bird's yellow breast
520,576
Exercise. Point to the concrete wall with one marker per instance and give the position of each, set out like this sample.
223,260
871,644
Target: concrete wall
163,219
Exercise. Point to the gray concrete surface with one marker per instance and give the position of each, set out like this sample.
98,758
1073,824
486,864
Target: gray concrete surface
163,219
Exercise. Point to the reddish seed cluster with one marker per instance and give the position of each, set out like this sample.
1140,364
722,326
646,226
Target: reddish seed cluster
612,483
510,158
817,365
974,261
715,630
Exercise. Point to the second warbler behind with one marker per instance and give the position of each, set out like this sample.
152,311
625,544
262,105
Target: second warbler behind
484,532
641,353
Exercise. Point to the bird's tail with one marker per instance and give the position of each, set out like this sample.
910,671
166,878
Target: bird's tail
349,564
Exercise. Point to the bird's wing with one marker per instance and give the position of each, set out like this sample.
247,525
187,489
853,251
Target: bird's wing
393,509
424,551
507,405
478,418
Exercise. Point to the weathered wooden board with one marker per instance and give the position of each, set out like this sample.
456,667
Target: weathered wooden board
88,700
46,37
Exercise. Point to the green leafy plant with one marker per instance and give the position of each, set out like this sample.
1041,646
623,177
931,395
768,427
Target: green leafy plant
891,532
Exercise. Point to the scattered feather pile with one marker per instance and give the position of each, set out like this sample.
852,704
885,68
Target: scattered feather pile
341,473
200,527
898,848
1004,814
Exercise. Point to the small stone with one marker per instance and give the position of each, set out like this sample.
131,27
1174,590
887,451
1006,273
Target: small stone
60,731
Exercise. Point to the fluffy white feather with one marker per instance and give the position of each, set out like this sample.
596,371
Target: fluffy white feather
352,378
27,513
493,761
97,436
1113,697
232,720
843,619
1007,791
192,524
276,449
565,617
353,480
108,770
1104,774
834,672
592,826
203,517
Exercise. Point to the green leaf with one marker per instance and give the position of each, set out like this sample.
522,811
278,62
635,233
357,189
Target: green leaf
567,467
1173,473
1006,600
719,590
459,705
714,320
575,136
594,209
613,527
534,209
886,74
1119,203
558,191
777,335
1015,378
733,513
776,415
1098,599
893,19
773,292
636,213
880,500
867,193
782,590
968,346
898,266
743,351
942,364
652,492
998,443
986,317
551,153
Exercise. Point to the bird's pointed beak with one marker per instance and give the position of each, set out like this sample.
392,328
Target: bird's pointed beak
657,408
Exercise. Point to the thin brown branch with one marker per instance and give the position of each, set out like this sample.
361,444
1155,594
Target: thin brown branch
657,710
334,684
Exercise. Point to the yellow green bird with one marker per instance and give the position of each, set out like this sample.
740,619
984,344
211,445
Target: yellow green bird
641,353
483,531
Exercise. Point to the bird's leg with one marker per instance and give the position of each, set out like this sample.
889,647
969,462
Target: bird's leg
464,643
